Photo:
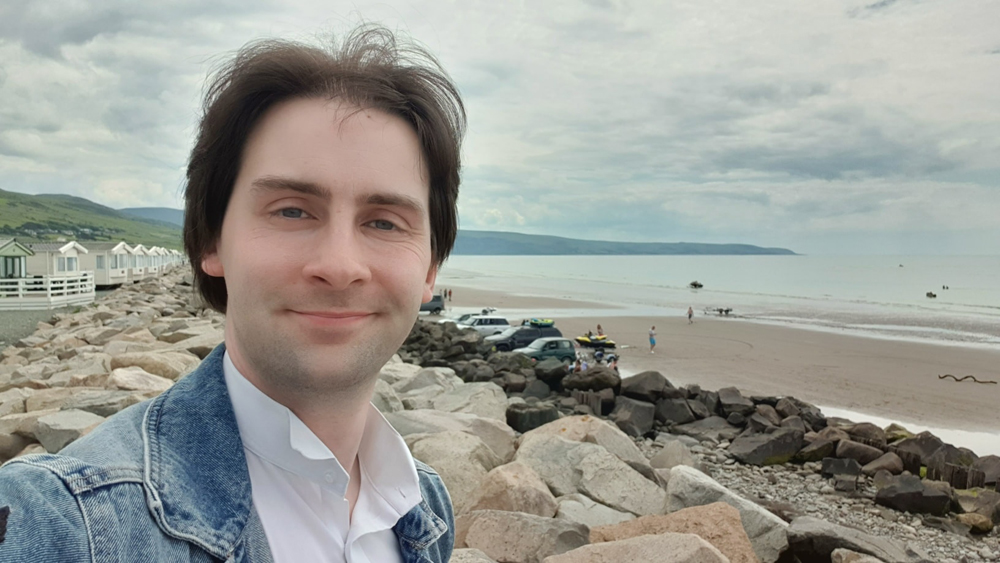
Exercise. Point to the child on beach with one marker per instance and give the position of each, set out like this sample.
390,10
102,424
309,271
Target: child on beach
652,339
690,314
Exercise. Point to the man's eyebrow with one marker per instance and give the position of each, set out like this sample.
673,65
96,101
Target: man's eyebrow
277,183
394,200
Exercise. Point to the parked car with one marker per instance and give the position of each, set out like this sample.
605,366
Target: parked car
435,305
521,336
459,319
542,348
486,324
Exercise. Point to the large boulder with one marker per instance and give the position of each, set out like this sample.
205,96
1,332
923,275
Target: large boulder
170,365
689,487
482,399
889,462
495,434
56,430
731,400
594,378
101,402
980,501
674,411
673,453
583,509
517,537
812,539
817,450
551,371
868,434
634,417
136,379
396,371
717,523
923,444
384,398
908,493
525,417
514,487
863,453
419,391
951,454
469,555
663,548
571,467
462,460
767,449
713,428
586,428
645,386
990,465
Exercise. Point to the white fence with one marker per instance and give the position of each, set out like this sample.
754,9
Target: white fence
46,292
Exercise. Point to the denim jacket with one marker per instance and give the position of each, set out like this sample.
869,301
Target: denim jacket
167,480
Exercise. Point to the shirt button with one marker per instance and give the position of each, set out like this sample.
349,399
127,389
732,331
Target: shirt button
329,477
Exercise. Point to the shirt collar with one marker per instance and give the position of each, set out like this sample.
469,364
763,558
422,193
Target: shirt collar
274,433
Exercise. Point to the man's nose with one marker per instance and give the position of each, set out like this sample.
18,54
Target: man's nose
339,258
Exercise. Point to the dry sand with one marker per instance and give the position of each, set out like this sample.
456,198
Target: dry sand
896,380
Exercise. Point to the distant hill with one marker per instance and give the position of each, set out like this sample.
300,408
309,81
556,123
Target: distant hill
164,214
50,216
494,243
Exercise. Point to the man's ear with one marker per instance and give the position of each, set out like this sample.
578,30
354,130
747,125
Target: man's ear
428,284
212,265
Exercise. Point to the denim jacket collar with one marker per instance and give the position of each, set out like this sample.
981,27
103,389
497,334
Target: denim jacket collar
195,472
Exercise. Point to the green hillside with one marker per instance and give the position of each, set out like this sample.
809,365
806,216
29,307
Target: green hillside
493,243
49,216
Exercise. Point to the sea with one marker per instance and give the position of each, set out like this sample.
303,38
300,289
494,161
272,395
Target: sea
874,296
871,296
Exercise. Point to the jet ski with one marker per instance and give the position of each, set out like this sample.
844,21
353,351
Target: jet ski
590,340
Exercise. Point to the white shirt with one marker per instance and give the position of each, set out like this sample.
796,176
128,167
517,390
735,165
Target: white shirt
299,487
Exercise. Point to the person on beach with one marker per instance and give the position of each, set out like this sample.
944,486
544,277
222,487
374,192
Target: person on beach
690,315
652,339
600,331
320,202
449,295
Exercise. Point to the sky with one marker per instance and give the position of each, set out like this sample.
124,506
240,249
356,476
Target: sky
853,127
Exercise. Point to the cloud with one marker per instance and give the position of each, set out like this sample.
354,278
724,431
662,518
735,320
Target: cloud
776,124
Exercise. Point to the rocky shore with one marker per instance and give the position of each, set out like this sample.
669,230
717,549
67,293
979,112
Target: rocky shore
577,467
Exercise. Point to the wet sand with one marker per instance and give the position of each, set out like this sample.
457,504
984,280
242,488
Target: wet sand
897,380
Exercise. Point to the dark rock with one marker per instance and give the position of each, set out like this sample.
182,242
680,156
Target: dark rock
811,539
731,400
950,454
767,449
881,479
816,451
712,428
856,450
845,484
980,501
568,403
990,465
607,401
794,422
536,388
810,414
844,467
786,408
736,419
923,444
758,424
887,462
698,408
509,361
524,417
764,400
595,378
645,386
674,393
674,411
908,493
551,371
633,417
514,382
947,524
771,415
868,434
711,401
833,434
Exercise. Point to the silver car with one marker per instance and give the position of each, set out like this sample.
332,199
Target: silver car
486,324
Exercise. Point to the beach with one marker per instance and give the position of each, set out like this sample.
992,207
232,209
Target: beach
896,380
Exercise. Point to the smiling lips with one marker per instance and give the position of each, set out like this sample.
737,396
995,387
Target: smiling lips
333,318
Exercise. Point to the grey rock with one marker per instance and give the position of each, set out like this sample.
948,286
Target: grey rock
712,428
595,378
909,494
634,417
887,462
855,450
492,532
674,411
841,466
582,509
645,386
56,430
767,449
814,539
524,417
731,400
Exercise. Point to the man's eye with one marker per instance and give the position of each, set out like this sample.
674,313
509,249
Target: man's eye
292,213
383,225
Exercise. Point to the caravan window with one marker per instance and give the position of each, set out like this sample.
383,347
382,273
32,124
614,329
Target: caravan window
100,262
61,264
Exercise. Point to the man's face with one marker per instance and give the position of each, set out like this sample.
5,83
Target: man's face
325,246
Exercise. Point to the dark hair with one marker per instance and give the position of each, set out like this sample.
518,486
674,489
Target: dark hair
370,69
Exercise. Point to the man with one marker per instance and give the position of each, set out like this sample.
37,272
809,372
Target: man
320,202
